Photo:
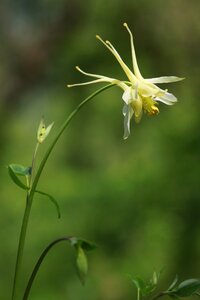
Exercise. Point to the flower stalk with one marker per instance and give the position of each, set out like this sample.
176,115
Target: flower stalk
31,192
38,264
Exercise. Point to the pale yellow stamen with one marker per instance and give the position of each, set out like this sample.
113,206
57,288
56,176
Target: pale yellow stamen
154,111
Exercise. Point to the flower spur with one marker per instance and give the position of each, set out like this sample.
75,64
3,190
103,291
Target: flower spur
139,94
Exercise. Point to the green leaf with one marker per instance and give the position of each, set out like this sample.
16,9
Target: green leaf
187,288
20,170
87,245
15,179
81,245
84,244
81,264
52,200
139,283
154,279
146,287
173,284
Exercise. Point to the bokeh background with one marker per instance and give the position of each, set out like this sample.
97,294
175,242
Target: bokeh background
138,199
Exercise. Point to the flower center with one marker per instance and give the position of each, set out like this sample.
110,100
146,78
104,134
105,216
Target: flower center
149,106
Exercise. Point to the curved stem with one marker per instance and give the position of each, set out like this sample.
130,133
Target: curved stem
62,129
30,194
38,264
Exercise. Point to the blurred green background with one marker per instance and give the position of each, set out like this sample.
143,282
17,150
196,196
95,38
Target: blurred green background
138,199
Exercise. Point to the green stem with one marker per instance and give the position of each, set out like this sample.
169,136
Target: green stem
21,248
38,264
30,195
62,129
33,163
138,294
159,295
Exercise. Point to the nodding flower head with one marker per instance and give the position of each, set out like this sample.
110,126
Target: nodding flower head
139,94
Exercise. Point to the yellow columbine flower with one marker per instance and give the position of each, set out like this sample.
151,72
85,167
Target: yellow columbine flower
139,94
43,132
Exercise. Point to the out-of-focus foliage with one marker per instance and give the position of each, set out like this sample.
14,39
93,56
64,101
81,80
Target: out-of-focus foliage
139,199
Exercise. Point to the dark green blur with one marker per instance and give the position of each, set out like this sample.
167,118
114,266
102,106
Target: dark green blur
139,199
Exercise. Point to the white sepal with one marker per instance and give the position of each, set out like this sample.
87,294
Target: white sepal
164,79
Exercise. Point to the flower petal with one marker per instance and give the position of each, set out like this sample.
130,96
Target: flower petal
126,69
128,113
94,75
164,79
101,78
88,82
134,59
127,95
167,98
147,89
137,108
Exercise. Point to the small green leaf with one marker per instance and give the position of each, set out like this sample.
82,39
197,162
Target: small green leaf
173,284
146,287
87,245
154,279
52,200
20,170
139,283
15,179
81,264
187,288
84,244
81,245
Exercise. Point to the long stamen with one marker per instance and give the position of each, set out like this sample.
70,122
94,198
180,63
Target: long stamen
110,47
134,59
